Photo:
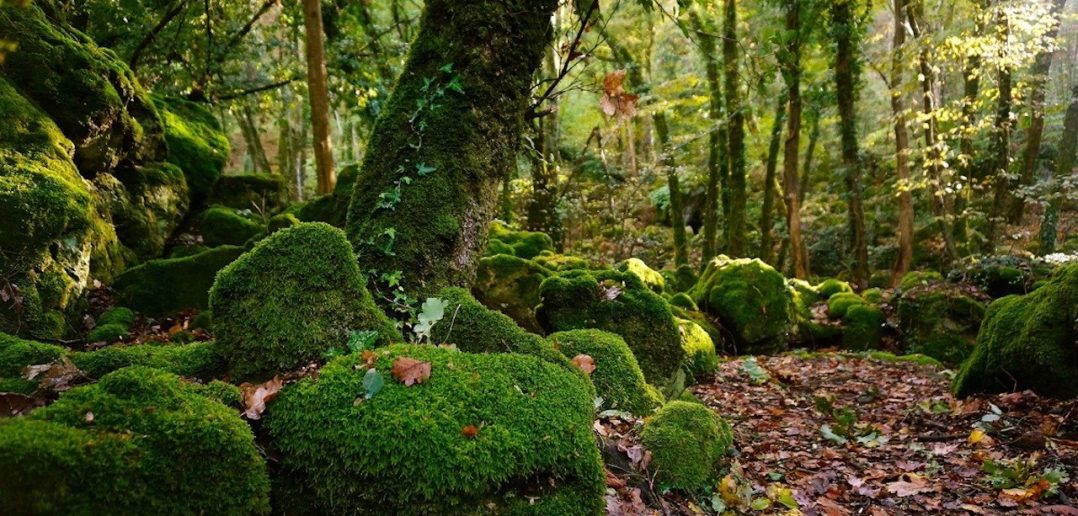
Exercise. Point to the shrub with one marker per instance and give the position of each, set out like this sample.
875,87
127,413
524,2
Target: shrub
617,376
296,294
151,445
751,300
226,226
480,428
16,354
160,287
687,442
619,303
195,360
475,328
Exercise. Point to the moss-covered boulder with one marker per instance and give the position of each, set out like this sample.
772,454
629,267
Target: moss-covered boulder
147,203
620,303
750,298
561,262
295,295
196,144
688,442
941,320
16,354
88,91
481,434
475,328
138,441
261,192
510,285
196,360
1028,342
863,327
700,356
165,286
840,303
522,244
114,324
918,278
221,225
832,286
617,376
651,277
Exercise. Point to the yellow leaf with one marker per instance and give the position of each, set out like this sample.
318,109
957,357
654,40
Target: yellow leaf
976,436
728,490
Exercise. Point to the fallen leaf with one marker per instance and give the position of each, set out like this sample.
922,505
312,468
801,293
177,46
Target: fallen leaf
585,363
910,484
89,417
13,404
410,371
255,397
470,431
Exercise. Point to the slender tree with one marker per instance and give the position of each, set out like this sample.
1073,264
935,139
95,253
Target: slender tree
735,222
318,88
717,165
790,66
769,180
971,85
677,212
1001,144
1065,163
902,148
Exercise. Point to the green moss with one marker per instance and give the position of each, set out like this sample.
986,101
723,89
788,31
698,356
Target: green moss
522,244
147,203
183,251
682,300
475,328
619,303
110,332
117,315
16,354
282,221
1027,342
331,208
203,320
918,278
227,226
196,143
617,376
751,300
940,320
160,287
295,295
561,262
832,286
221,392
873,295
196,360
862,327
679,280
152,445
409,453
840,303
651,278
510,285
700,357
261,192
688,442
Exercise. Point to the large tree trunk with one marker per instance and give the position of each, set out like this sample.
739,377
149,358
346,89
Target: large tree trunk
769,181
716,137
846,72
677,212
790,62
318,88
1065,162
735,223
902,149
428,186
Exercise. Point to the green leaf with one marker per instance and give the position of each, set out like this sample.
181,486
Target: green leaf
829,434
373,382
360,340
423,169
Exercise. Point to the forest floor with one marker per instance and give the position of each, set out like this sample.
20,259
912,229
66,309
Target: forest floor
835,434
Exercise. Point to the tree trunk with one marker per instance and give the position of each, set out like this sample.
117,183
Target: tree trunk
790,66
902,150
846,71
1038,78
735,222
428,186
253,139
769,180
1001,144
716,137
810,153
318,88
677,213
541,210
1065,163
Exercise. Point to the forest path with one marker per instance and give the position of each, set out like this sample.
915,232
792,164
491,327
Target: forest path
833,433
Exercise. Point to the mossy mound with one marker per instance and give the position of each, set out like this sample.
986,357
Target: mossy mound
832,286
688,442
510,285
147,203
561,262
16,354
918,278
682,300
679,280
482,427
113,325
620,303
222,225
296,294
617,376
196,144
281,221
940,320
862,327
522,244
700,356
261,192
160,287
475,328
196,360
750,298
1028,342
138,441
840,303
651,277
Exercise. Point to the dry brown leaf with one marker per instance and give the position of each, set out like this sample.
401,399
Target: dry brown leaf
255,397
612,82
410,371
470,431
585,363
910,484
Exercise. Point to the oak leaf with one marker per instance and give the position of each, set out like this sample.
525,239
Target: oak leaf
255,397
410,371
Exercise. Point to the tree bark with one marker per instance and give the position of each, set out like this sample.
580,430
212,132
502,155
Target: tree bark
902,150
677,213
810,154
769,180
255,150
1001,143
790,66
716,137
735,222
317,78
1065,163
428,186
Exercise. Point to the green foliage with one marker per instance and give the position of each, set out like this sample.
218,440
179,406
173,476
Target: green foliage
196,360
410,452
475,328
688,442
617,377
432,311
1027,342
160,287
619,303
940,320
139,440
700,356
650,277
751,300
221,225
295,295
196,143
16,354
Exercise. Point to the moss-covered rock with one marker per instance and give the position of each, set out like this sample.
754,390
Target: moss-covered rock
862,327
688,442
700,356
522,244
331,208
147,203
481,428
750,298
1028,342
840,303
651,277
113,325
617,376
221,225
295,295
196,144
918,278
195,360
679,280
281,221
475,328
160,287
561,262
620,303
682,300
16,354
941,320
183,251
510,285
152,445
261,192
832,286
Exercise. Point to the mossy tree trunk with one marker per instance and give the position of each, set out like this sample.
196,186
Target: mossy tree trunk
735,223
790,66
677,211
716,137
769,180
902,149
317,78
428,186
1065,162
1001,144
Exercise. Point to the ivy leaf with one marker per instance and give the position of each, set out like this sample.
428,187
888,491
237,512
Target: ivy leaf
423,169
372,382
410,371
446,68
361,340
